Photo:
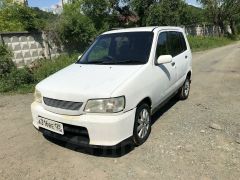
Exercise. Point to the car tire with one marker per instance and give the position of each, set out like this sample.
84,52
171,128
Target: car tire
183,92
142,124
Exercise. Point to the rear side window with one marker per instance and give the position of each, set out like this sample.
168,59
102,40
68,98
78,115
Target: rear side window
183,42
176,43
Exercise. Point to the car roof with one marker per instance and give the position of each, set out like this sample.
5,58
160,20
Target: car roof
143,29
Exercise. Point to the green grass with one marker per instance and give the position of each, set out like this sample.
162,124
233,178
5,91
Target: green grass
199,43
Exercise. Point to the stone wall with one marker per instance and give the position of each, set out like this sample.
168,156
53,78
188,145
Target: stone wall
27,47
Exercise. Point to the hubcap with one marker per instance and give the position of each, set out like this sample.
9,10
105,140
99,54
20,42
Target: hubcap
186,88
143,123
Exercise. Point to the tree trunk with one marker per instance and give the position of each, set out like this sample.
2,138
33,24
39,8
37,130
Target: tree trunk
222,27
233,27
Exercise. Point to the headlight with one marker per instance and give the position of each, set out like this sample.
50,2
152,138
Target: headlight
111,105
37,96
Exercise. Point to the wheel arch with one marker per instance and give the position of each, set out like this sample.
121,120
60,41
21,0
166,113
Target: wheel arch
146,100
189,75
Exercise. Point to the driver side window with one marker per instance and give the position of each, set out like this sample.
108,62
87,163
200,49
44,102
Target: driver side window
162,48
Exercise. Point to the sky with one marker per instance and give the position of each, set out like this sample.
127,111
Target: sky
51,3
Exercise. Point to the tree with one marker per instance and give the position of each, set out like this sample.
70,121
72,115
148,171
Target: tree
20,18
141,7
73,29
126,16
232,8
98,11
191,15
165,13
223,12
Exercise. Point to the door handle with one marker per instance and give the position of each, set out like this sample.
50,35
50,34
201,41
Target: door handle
186,57
173,63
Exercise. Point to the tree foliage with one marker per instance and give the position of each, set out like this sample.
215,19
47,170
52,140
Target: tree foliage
223,12
14,17
73,29
165,13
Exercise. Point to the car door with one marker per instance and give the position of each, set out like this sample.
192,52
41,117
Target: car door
165,75
178,50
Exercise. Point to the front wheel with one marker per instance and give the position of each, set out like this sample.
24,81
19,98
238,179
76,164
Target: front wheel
142,125
184,90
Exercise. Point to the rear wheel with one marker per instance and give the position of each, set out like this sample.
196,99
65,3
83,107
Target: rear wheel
184,90
142,125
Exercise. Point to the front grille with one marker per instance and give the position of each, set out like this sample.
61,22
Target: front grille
68,105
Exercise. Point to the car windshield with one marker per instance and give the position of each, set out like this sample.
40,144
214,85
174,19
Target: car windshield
119,48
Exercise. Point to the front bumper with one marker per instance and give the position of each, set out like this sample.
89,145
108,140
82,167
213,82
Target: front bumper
103,130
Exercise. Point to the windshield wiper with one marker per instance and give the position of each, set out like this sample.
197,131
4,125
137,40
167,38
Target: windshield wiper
130,62
122,62
92,62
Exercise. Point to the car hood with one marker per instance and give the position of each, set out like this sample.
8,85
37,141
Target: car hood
79,82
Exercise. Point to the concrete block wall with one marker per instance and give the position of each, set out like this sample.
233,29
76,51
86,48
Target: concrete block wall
27,47
204,30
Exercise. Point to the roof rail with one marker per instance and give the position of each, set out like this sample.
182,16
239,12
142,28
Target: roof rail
117,28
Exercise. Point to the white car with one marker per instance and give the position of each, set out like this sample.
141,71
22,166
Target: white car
110,93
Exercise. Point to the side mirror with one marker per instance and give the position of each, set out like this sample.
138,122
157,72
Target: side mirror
164,59
79,56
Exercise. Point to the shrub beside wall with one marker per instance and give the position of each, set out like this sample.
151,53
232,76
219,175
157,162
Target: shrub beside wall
23,80
6,63
12,78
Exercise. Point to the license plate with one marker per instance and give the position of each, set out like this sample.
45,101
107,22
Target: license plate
50,125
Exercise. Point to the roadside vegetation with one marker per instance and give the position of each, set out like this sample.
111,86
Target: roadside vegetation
23,80
199,43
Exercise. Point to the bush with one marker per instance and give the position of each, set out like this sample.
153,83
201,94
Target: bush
6,63
72,29
48,67
23,80
16,79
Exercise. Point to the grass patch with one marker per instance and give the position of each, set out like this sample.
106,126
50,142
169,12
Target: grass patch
199,43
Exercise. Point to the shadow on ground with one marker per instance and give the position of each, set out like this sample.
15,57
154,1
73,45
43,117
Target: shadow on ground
112,152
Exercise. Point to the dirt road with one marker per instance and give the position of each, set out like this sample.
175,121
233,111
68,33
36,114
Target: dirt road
194,139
